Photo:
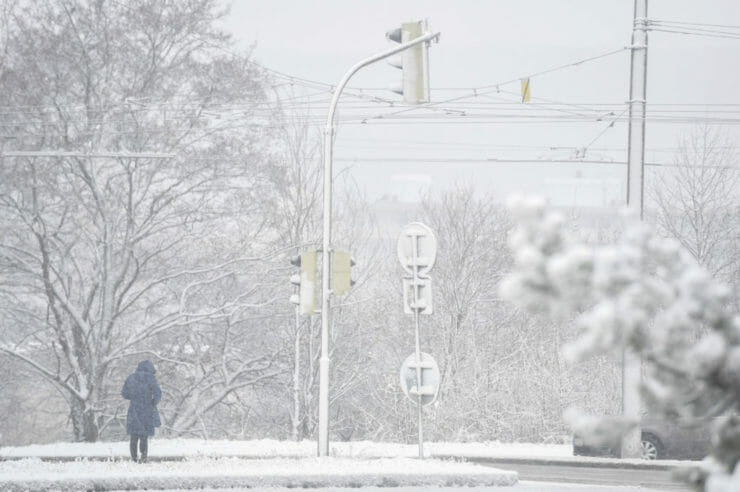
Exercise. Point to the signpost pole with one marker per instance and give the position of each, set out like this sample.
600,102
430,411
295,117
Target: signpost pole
415,268
417,248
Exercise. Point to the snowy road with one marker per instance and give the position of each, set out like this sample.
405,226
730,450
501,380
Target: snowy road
524,486
607,477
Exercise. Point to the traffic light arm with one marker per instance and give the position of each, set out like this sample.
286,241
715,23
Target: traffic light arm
323,440
369,61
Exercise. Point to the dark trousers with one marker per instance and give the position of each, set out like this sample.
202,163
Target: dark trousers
142,444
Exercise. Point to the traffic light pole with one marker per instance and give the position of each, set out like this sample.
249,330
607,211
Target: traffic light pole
323,441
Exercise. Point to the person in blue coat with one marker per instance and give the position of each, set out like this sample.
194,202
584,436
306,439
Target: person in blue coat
142,390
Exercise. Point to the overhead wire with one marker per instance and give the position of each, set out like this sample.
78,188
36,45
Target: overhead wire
674,31
724,26
452,109
226,124
606,128
194,103
694,28
455,110
492,161
353,142
487,89
559,67
472,92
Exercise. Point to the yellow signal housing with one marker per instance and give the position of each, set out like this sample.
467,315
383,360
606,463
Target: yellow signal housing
341,265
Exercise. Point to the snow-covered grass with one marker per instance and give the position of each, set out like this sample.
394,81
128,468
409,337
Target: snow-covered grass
34,474
265,448
230,472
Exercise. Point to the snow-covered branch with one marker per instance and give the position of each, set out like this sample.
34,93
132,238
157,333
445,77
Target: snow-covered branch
645,293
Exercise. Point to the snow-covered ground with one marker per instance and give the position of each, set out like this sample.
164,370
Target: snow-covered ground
199,472
264,463
272,448
257,463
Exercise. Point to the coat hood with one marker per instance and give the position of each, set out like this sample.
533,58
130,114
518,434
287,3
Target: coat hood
145,366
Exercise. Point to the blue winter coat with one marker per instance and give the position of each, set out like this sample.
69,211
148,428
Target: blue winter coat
142,389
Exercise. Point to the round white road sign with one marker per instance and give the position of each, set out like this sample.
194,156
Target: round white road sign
417,246
429,378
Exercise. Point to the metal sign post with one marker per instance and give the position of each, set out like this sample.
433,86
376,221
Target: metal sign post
417,250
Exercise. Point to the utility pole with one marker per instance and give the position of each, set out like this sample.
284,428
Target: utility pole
323,441
631,363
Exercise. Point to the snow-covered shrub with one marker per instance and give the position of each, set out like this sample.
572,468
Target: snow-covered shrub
647,294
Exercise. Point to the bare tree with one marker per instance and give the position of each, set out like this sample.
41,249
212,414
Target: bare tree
471,233
100,256
503,375
697,201
293,210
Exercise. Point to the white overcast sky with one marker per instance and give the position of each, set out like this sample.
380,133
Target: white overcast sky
484,43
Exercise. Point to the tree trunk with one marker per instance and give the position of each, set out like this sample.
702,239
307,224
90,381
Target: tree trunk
84,422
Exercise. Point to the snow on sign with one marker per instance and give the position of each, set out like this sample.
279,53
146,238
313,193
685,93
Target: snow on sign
422,301
417,246
429,378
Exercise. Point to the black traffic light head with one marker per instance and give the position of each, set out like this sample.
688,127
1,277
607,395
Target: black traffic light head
305,281
395,34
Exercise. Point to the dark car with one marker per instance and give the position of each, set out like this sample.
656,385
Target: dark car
685,439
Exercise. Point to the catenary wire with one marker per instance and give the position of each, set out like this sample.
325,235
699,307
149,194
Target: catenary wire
724,26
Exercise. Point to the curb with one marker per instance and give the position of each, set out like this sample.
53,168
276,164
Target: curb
579,463
151,459
251,482
582,462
